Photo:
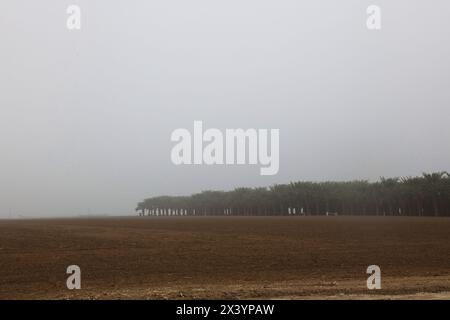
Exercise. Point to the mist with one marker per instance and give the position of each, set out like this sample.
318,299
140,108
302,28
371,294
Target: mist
86,116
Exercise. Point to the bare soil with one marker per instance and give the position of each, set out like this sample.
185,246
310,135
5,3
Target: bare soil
225,257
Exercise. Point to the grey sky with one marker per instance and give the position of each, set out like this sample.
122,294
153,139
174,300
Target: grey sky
86,116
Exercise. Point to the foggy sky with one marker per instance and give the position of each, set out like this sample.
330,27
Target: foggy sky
86,116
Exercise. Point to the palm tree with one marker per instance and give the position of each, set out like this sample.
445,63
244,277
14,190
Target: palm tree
428,194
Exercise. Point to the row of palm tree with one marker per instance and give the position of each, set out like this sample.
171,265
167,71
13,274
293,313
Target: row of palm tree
427,195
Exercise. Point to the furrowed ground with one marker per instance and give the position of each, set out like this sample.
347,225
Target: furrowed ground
225,257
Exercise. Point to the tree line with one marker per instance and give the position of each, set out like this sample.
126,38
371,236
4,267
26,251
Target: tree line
426,195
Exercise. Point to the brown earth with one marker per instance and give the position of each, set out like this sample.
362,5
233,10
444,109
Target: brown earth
225,257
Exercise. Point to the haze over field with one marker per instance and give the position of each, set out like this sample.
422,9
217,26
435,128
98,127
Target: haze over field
86,116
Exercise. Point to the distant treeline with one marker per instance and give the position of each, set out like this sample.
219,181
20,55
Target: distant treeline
427,195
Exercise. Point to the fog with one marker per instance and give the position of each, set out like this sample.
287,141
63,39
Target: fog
86,115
